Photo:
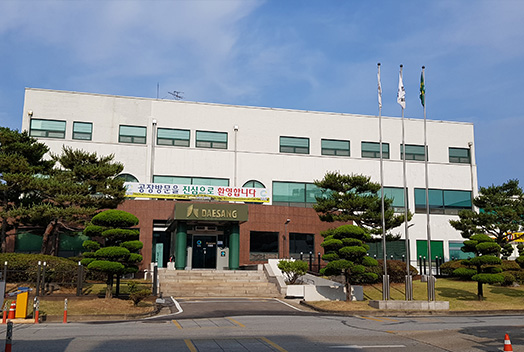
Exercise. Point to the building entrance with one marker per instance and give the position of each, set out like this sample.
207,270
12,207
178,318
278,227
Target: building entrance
204,252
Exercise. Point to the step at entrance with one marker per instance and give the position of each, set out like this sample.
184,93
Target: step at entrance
215,283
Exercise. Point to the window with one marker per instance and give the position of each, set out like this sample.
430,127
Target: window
47,128
296,145
82,130
413,152
437,250
301,242
395,250
295,193
442,201
459,155
397,195
254,184
183,180
215,140
263,246
127,177
169,136
455,251
335,147
132,134
372,150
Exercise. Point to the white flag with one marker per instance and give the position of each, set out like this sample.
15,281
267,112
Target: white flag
379,89
401,94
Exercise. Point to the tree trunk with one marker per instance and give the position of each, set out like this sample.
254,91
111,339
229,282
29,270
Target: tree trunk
480,291
109,287
46,237
56,242
3,235
348,288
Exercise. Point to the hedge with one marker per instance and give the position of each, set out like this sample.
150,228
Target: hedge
23,267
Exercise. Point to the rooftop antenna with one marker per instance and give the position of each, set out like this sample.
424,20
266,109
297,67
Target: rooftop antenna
177,95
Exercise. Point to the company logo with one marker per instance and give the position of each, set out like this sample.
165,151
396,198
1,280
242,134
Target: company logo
194,212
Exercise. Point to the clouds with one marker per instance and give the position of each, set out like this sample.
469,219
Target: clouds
303,54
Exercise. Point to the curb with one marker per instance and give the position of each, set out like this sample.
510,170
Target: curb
399,313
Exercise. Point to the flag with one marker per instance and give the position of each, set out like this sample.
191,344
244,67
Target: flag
422,89
401,94
379,89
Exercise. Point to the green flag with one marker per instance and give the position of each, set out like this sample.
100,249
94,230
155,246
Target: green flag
422,89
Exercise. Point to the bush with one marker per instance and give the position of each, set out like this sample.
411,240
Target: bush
293,270
139,296
447,268
22,267
396,270
509,278
508,265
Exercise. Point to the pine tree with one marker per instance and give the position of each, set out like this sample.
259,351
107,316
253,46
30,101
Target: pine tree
345,250
114,246
22,163
81,184
355,198
501,213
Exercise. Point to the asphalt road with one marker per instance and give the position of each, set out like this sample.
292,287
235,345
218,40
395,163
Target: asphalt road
254,325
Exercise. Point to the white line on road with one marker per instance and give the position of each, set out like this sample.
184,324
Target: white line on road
373,346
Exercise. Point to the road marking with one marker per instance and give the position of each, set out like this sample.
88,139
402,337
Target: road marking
289,305
236,322
177,324
190,345
177,305
272,344
370,346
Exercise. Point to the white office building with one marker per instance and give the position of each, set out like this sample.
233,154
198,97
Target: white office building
279,152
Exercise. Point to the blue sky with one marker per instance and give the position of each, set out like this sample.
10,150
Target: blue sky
297,54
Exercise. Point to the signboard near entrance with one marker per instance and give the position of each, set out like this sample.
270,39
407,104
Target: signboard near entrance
219,193
207,211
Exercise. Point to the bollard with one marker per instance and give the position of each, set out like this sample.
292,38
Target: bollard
39,268
8,336
65,311
319,257
12,310
424,261
4,317
310,261
37,310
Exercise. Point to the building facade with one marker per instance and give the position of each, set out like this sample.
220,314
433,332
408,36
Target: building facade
240,148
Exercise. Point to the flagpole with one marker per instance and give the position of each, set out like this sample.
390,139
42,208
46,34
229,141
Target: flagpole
431,281
401,99
385,278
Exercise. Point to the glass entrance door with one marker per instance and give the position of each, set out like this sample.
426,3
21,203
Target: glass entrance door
204,252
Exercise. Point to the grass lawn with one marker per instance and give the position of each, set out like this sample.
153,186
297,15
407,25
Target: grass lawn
462,296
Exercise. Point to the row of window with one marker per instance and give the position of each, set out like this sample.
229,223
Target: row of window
304,194
218,140
300,145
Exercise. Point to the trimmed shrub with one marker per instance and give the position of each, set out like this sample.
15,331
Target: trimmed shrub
106,266
91,245
464,273
488,278
115,218
132,246
121,234
520,261
112,252
353,253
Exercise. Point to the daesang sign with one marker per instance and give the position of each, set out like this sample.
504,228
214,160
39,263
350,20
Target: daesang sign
206,211
218,193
